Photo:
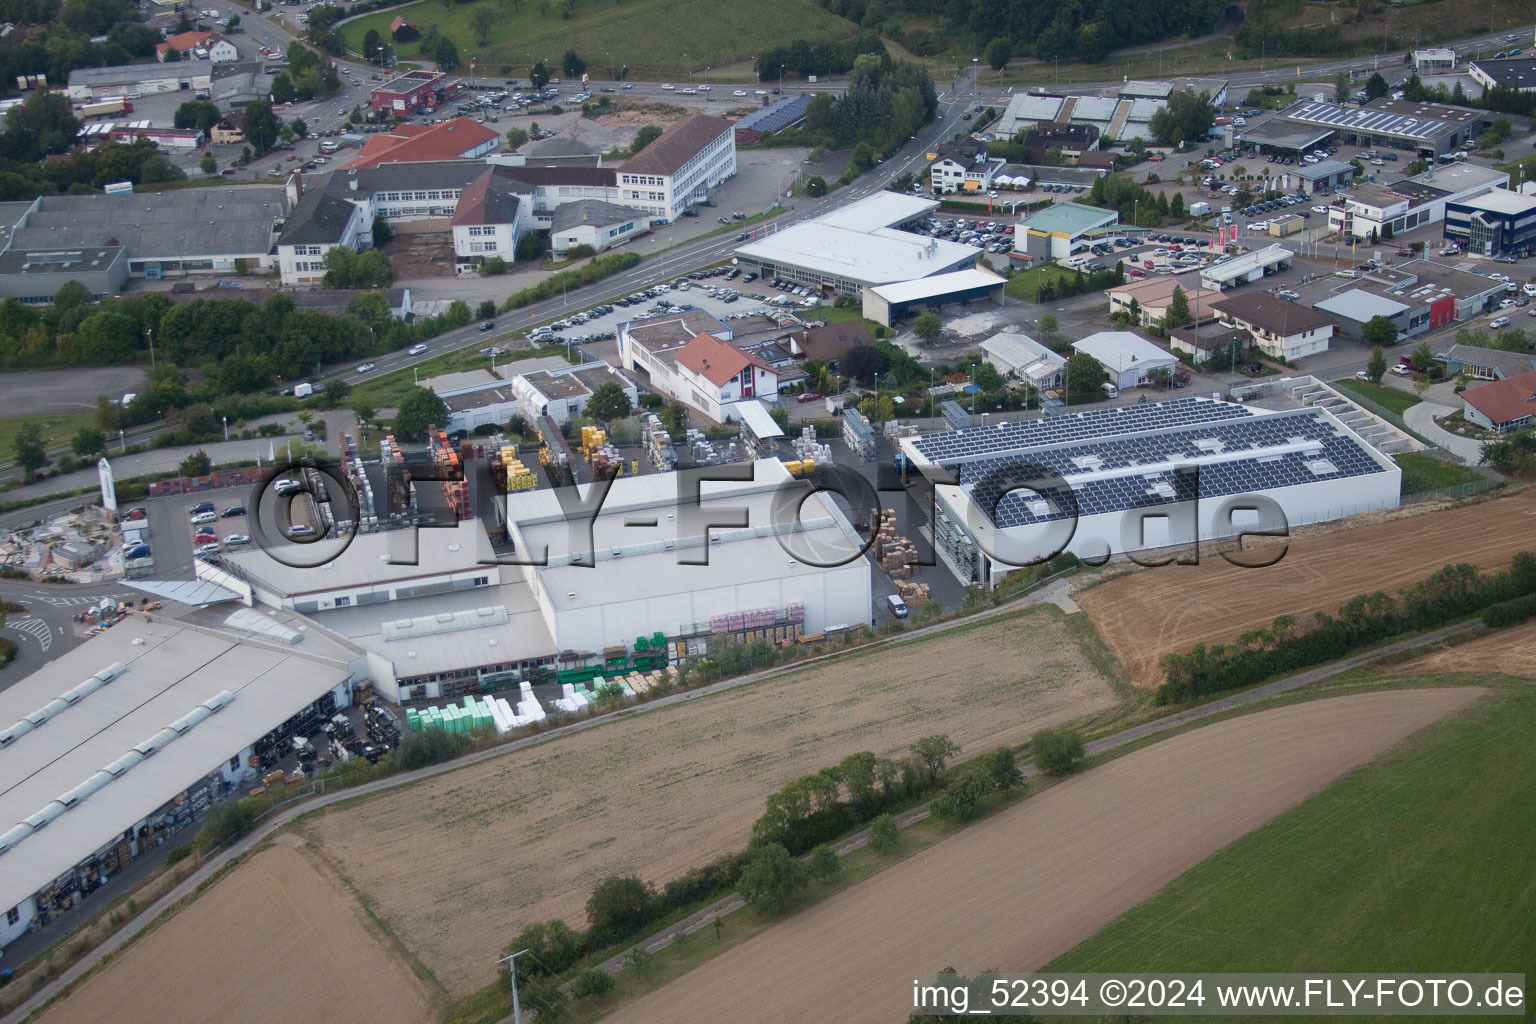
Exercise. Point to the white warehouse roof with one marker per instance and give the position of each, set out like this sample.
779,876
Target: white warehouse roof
64,733
1247,263
875,257
884,209
1121,350
937,285
1359,305
637,561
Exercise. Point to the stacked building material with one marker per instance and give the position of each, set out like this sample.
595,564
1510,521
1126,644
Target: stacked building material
508,472
397,479
894,552
450,471
658,444
912,592
808,447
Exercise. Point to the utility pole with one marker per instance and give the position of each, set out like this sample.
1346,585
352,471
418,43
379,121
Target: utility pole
150,331
511,962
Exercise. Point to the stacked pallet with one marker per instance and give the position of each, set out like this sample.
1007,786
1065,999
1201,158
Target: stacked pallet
895,553
912,592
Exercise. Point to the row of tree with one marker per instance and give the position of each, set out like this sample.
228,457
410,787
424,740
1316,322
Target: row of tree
884,104
801,58
1291,644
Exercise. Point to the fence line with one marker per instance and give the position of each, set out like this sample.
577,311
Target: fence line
1465,490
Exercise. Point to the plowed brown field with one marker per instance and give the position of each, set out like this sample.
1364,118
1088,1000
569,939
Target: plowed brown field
1150,613
460,863
274,941
1014,891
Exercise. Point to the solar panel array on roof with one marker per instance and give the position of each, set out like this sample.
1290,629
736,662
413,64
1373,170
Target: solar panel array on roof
963,445
1244,455
1364,119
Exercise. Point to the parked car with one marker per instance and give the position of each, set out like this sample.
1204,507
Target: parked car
287,485
236,539
808,396
301,530
234,511
205,517
208,549
202,506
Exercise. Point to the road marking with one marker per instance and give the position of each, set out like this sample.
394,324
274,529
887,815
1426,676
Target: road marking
36,628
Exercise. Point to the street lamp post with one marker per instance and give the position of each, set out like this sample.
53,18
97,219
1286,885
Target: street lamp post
150,331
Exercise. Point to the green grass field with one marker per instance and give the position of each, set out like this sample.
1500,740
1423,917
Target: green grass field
1425,473
1392,399
652,37
1418,861
56,430
1026,284
388,390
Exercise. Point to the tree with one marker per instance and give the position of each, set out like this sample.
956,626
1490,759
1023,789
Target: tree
1084,374
619,907
572,64
88,442
609,402
486,310
539,75
1176,206
196,464
260,126
824,864
998,53
363,409
31,455
529,248
884,836
770,878
420,408
109,417
1049,325
300,129
1375,87
1178,309
1377,367
1002,768
516,137
283,90
647,134
986,377
1423,356
43,125
482,19
1187,118
171,56
928,327
338,391
199,114
1057,751
934,752
1379,330
862,158
1341,89
816,186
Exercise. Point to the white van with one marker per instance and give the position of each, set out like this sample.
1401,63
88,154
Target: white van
897,605
1110,391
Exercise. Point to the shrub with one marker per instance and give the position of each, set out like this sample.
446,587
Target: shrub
177,854
1511,613
428,747
825,864
771,878
596,270
592,983
884,836
619,907
1057,751
227,823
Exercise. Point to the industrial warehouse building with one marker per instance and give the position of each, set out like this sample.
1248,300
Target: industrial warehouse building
1368,211
885,303
1125,480
437,613
859,245
1425,129
119,745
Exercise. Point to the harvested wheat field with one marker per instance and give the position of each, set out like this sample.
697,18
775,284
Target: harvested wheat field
460,863
1014,891
274,941
1502,652
1150,613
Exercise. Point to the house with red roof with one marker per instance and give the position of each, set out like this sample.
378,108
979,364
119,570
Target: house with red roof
713,375
457,138
1503,405
193,46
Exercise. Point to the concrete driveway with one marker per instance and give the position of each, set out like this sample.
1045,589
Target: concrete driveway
1441,400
